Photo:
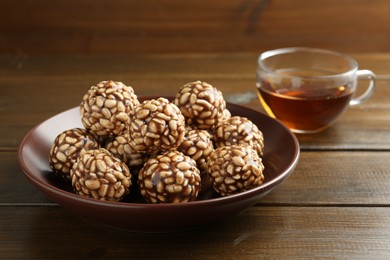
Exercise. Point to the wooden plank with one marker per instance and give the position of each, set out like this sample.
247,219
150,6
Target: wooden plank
152,26
47,85
349,133
220,66
336,178
15,187
321,178
260,232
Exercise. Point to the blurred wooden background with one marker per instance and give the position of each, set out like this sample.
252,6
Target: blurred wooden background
192,26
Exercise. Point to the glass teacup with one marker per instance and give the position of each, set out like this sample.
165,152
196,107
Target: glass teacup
308,89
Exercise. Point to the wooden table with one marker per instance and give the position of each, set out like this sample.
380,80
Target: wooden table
335,204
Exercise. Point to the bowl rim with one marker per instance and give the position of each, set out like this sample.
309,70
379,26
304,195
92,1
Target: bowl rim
213,201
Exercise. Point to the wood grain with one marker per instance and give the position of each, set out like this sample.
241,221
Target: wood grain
336,178
37,87
321,178
259,232
334,205
173,26
15,187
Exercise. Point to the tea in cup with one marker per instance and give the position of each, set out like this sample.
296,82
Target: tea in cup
308,89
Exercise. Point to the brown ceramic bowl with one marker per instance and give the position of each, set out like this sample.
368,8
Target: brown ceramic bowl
280,158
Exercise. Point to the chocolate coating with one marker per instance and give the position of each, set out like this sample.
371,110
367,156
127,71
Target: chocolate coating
98,174
156,126
233,169
67,147
171,177
105,108
201,104
197,145
241,131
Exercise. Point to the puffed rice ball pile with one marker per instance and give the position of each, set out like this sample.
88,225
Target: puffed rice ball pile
159,147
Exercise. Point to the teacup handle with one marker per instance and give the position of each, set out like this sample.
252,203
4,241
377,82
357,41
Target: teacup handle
367,74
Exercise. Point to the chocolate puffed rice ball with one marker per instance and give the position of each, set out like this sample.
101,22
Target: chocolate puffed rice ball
122,150
201,104
105,108
171,177
197,145
241,131
233,169
156,125
67,147
98,174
